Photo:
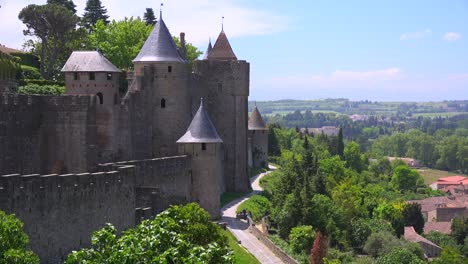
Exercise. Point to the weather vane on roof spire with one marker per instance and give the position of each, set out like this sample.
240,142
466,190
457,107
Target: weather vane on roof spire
222,23
160,10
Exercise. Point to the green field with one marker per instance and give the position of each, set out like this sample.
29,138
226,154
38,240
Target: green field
431,175
437,114
241,254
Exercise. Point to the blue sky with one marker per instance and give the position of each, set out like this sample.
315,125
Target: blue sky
376,50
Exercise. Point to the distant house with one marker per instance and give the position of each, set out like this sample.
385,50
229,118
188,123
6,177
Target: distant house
359,117
431,250
8,50
414,163
441,227
453,184
326,130
443,208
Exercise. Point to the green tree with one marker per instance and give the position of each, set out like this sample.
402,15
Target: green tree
406,179
340,144
460,229
353,157
301,238
94,11
450,255
14,243
149,17
53,25
120,41
181,234
381,243
400,256
412,216
68,4
273,144
192,52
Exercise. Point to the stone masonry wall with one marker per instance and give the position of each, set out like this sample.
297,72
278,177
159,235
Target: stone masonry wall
60,212
160,182
44,134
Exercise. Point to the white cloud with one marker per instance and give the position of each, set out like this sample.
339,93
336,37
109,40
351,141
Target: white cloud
199,19
416,35
452,36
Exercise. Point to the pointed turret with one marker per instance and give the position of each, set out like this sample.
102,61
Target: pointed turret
201,129
222,49
159,47
208,50
256,121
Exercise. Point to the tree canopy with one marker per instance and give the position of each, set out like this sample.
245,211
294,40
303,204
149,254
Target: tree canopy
180,234
149,17
94,11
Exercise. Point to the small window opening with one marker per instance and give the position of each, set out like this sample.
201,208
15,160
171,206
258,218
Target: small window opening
169,68
76,76
115,99
220,87
101,98
92,76
163,103
203,146
109,76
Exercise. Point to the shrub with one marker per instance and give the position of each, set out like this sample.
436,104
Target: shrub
28,72
27,59
401,256
301,238
25,82
41,89
258,205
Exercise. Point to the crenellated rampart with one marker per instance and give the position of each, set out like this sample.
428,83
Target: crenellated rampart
60,212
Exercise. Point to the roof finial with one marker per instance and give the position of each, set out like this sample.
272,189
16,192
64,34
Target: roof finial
222,23
160,11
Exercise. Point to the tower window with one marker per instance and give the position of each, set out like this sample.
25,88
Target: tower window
203,146
92,76
76,76
163,103
109,76
169,68
115,99
220,87
101,98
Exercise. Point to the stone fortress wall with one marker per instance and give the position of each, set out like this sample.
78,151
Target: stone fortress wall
60,212
47,134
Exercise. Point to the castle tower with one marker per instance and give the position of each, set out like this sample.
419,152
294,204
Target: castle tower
89,72
223,81
258,138
208,50
166,88
202,143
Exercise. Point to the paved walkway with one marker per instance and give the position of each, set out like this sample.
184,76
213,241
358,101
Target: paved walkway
239,227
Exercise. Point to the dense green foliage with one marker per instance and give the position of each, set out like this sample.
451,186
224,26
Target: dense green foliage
8,67
301,238
258,205
14,243
359,207
41,89
181,234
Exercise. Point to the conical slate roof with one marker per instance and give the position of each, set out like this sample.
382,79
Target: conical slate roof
88,61
256,121
208,50
159,47
222,49
201,130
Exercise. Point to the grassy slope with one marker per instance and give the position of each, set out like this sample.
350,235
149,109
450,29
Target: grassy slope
431,175
228,197
242,256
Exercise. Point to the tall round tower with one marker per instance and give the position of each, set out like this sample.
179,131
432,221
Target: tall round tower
258,138
202,143
165,83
